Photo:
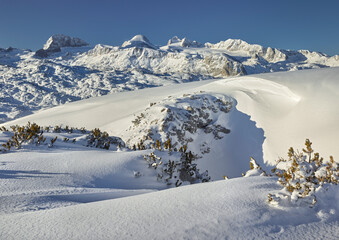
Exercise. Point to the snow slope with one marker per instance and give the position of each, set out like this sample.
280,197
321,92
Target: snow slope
273,112
37,179
233,209
75,192
66,69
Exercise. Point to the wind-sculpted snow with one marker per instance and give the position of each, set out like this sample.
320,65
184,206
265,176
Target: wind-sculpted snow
66,70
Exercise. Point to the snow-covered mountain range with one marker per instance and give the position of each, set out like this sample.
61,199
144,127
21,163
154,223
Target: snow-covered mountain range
68,69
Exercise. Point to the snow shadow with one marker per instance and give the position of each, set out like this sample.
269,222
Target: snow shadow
230,156
245,141
17,174
96,196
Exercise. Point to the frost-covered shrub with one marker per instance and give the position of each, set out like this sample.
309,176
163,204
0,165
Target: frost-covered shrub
31,133
303,175
181,169
191,118
51,144
188,169
255,169
99,139
66,129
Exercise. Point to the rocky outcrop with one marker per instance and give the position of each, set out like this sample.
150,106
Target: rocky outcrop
223,66
335,58
234,45
183,42
58,41
9,49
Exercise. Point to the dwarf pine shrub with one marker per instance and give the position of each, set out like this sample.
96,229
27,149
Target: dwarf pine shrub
99,139
53,140
302,175
181,169
255,169
31,133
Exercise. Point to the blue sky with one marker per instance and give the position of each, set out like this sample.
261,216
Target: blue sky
285,24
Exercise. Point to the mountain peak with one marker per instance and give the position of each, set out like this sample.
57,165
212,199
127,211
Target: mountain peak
138,41
183,42
174,39
238,45
59,40
140,38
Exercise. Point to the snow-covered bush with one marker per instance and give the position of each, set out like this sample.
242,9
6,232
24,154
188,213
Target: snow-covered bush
31,133
99,139
182,120
181,169
34,134
255,169
303,175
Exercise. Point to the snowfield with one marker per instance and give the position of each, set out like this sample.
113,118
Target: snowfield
66,188
232,209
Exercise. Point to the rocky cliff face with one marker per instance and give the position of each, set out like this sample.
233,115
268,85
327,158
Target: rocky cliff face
223,66
236,45
56,42
59,40
175,41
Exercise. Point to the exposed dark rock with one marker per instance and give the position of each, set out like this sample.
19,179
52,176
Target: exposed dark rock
56,42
